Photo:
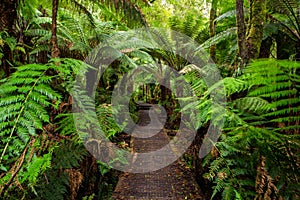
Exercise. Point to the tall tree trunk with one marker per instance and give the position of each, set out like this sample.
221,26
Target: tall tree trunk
212,28
241,32
8,15
55,53
256,27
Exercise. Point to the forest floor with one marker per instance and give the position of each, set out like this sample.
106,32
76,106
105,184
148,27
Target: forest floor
176,181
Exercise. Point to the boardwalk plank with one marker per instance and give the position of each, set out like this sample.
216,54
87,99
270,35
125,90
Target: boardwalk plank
175,181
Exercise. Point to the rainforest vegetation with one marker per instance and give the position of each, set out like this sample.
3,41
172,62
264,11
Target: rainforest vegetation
254,44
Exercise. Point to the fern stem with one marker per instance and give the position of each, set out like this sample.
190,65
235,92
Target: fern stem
17,167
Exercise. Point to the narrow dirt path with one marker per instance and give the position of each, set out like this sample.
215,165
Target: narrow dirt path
175,181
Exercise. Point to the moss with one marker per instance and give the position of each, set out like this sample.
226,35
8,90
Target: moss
256,27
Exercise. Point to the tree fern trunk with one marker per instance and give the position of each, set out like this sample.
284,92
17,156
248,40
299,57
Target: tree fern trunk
212,28
256,27
55,49
241,31
166,97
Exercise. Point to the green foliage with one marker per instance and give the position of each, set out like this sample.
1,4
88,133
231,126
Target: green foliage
257,153
219,37
24,100
80,27
285,13
28,97
128,10
107,121
68,155
53,185
257,156
13,45
189,26
229,14
36,166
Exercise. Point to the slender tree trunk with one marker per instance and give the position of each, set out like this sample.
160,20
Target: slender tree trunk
55,53
212,28
241,32
256,27
8,15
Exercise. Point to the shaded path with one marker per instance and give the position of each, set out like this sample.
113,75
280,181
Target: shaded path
175,181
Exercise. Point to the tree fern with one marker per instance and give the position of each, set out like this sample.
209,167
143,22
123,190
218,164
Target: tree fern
26,91
271,118
262,121
280,87
287,16
28,97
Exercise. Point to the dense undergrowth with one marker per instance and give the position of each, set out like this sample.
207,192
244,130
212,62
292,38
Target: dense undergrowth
42,152
257,156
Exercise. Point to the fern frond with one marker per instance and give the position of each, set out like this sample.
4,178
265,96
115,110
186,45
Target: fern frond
35,167
30,93
233,85
253,104
65,124
42,20
68,155
228,14
37,32
128,10
218,38
263,122
40,48
85,10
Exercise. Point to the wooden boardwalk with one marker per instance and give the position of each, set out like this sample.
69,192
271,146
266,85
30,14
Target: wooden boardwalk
175,181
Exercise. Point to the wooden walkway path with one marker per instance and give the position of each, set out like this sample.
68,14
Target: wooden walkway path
175,181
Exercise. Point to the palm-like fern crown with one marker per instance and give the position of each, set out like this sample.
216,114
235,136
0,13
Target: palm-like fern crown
262,126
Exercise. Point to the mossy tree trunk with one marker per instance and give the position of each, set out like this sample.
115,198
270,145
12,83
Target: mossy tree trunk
241,32
55,53
256,27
